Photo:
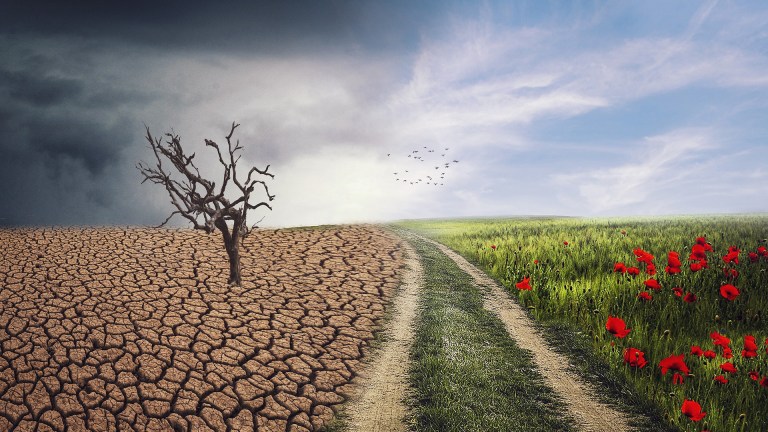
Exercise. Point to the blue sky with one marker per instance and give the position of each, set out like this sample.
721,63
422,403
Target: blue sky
566,108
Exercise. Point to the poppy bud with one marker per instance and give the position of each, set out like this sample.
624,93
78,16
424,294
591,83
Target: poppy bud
666,332
717,317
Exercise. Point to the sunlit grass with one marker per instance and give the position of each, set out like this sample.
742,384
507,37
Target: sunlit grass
575,284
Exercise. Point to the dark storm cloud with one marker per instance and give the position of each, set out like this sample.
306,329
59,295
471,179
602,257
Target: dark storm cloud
222,26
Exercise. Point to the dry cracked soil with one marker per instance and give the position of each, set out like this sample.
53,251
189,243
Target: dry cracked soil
136,329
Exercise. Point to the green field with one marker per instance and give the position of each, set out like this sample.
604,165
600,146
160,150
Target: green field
575,288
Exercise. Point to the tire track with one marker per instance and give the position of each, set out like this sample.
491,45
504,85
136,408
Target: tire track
591,414
379,405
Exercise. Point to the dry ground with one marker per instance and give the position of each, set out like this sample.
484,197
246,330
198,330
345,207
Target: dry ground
136,329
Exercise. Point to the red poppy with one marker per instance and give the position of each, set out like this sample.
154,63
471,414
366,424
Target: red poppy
754,376
535,261
750,347
678,291
652,284
672,270
617,327
692,410
721,379
493,247
728,367
697,253
764,382
695,267
619,267
524,285
753,257
643,256
703,242
762,251
674,362
633,271
565,243
709,354
719,340
727,353
650,269
730,273
645,295
729,291
635,358
677,378
696,350
749,343
673,259
766,345
732,256
689,298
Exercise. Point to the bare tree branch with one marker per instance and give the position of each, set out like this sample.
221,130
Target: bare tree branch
195,197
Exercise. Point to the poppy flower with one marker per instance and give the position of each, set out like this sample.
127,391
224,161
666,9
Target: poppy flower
692,410
677,379
721,379
535,261
643,256
730,273
709,354
652,284
727,353
650,269
619,267
732,256
524,285
762,251
754,376
702,241
753,257
617,327
697,253
678,291
749,343
729,292
493,247
635,358
565,243
645,295
689,298
673,259
674,362
695,267
766,345
696,350
728,367
633,271
672,270
764,382
719,340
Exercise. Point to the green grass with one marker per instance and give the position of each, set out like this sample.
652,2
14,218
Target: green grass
467,373
575,290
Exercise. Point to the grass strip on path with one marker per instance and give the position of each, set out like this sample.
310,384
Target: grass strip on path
468,374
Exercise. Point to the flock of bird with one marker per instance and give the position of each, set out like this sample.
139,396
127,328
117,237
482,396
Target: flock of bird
424,166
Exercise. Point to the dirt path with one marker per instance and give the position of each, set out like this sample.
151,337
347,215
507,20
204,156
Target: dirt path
589,412
378,405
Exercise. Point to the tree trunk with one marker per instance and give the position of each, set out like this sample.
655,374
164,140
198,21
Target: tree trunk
232,244
233,251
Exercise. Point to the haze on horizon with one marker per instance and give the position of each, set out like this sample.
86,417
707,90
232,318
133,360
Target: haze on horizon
594,108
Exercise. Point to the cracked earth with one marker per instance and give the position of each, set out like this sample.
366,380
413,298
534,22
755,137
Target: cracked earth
136,329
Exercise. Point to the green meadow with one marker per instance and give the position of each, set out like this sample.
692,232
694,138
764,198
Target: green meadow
576,286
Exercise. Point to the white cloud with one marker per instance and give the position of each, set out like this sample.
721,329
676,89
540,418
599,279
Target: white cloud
654,171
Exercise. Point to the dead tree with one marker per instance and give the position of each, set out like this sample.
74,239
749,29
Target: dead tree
195,197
